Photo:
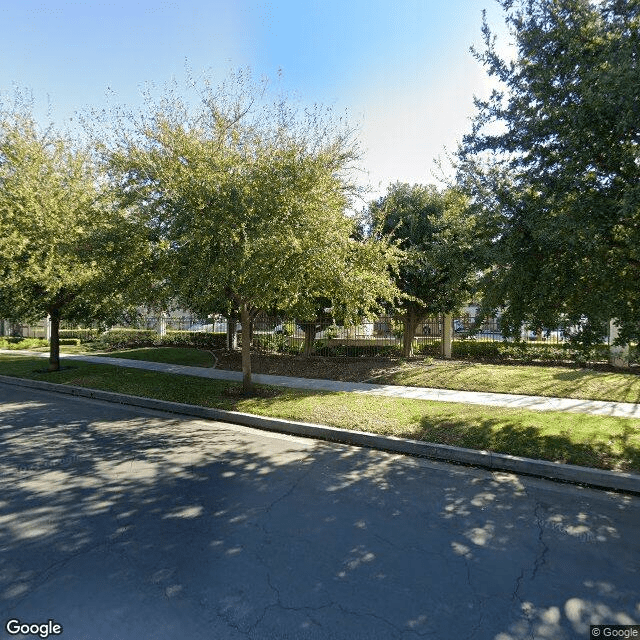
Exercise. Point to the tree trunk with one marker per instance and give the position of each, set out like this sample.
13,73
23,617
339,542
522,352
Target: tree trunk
447,335
309,337
410,325
245,319
54,342
232,336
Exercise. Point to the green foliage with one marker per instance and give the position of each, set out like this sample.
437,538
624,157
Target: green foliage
65,250
433,349
553,161
22,343
436,231
116,339
522,352
85,335
277,342
197,339
127,339
248,203
331,332
70,341
528,352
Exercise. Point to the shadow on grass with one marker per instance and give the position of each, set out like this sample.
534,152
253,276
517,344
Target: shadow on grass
621,452
169,355
626,385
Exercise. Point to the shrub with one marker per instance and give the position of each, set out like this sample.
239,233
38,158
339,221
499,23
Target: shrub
23,343
196,339
527,352
331,332
71,341
471,349
128,339
86,335
432,349
138,338
276,342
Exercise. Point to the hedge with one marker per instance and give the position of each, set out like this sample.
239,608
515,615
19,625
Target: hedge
528,352
71,341
86,335
521,352
137,338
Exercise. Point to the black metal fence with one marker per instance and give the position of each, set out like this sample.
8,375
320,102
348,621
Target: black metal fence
387,328
279,333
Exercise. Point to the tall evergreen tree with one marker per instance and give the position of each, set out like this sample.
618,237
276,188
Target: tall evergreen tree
437,231
559,151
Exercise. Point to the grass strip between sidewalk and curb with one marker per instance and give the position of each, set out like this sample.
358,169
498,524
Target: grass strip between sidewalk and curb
590,441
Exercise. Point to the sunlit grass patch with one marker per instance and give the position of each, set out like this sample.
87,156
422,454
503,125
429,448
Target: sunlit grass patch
562,382
594,441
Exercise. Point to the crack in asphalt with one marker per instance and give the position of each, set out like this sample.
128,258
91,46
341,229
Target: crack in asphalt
538,562
46,574
398,630
293,487
540,559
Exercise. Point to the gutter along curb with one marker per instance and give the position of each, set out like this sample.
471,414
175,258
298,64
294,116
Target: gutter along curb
613,480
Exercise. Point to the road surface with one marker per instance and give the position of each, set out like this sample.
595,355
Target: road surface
121,523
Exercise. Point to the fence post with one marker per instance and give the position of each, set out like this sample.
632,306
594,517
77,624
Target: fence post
447,335
162,324
47,328
618,354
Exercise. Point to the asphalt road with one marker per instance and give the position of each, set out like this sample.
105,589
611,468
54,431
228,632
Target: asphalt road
120,523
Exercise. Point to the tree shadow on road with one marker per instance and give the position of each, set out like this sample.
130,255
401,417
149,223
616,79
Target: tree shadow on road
148,526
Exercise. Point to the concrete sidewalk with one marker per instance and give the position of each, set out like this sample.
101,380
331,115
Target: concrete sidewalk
514,401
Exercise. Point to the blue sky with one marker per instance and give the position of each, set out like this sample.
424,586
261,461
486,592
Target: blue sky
401,68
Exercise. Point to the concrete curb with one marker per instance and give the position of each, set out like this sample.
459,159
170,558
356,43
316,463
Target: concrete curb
613,480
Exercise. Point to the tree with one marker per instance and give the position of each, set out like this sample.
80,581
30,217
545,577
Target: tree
559,144
251,201
62,244
436,231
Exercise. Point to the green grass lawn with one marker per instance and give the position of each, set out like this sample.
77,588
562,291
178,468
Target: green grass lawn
594,441
168,355
563,382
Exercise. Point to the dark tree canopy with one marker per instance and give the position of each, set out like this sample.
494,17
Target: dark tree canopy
437,231
554,159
